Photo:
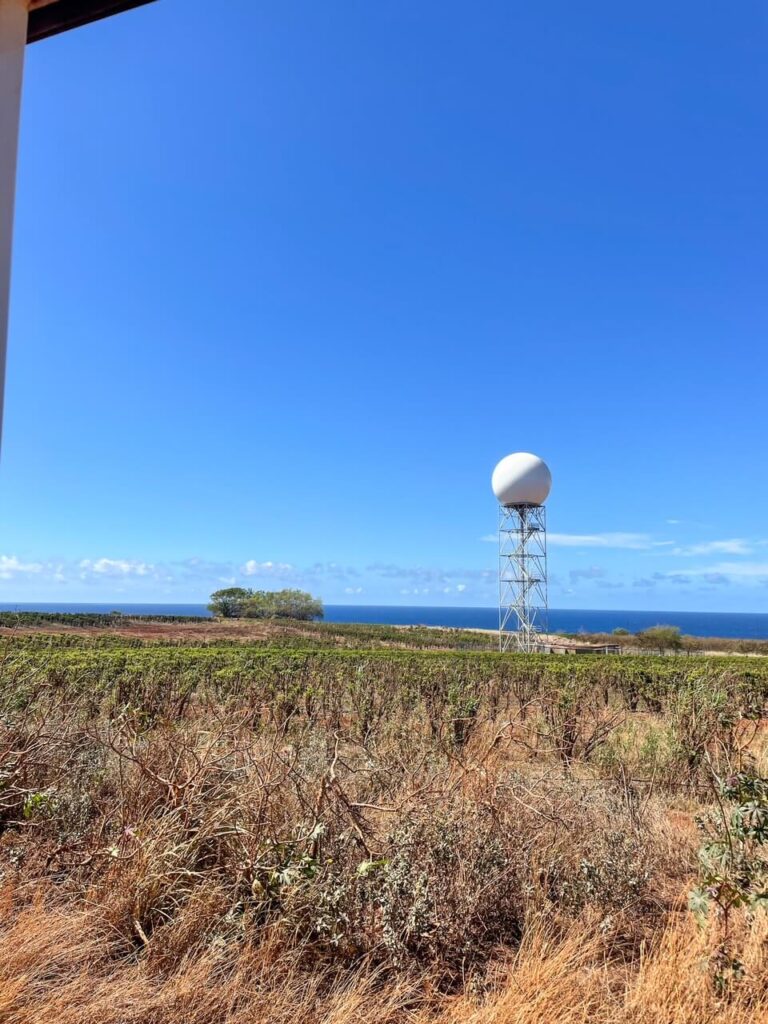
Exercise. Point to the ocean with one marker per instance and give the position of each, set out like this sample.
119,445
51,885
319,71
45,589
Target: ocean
746,625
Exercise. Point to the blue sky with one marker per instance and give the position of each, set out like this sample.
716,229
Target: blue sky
288,283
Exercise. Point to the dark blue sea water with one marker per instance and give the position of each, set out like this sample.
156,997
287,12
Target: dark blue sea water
752,626
749,625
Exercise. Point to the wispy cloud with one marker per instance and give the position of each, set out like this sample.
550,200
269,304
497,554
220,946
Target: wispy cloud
611,539
428,574
618,540
196,568
718,574
281,569
200,573
459,588
196,575
732,546
330,571
11,566
594,572
733,570
114,567
630,541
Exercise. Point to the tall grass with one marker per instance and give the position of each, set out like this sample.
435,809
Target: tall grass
240,834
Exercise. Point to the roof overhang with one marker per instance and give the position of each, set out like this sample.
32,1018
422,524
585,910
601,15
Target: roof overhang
49,17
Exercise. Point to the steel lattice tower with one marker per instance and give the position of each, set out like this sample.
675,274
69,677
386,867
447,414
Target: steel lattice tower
522,576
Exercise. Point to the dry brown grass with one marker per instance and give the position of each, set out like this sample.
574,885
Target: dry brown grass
63,966
352,861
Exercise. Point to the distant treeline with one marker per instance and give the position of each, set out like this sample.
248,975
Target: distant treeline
88,618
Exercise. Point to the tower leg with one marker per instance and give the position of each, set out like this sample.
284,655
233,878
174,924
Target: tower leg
522,577
13,40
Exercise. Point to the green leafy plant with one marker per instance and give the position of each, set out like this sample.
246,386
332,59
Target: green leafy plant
733,868
37,805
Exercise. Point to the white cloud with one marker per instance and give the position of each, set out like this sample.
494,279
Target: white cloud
733,546
424,574
115,567
645,542
329,570
10,566
461,587
254,568
609,539
353,590
740,570
627,541
719,573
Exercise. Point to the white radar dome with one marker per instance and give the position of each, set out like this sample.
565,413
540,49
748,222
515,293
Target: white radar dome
521,479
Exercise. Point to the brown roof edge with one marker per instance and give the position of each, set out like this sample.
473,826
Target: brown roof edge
62,15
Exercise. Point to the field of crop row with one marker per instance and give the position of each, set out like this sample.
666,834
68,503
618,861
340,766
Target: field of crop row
156,677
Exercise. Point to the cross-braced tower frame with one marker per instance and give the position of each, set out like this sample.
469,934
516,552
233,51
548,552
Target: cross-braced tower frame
522,576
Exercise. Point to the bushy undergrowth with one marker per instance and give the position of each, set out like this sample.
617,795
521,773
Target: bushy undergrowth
371,814
15,620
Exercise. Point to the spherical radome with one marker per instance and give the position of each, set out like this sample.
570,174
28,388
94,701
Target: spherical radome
521,479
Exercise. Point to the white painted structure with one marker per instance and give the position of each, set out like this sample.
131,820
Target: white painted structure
521,483
13,40
521,479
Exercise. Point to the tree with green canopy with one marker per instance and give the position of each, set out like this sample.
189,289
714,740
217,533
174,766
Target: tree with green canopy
229,602
242,602
661,638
